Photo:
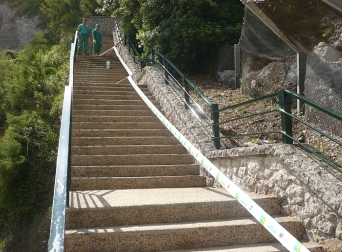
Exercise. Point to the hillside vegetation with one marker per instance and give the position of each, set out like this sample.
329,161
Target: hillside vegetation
189,32
32,83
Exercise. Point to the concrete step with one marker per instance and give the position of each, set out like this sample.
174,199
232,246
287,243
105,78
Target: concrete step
132,101
152,206
86,60
127,96
114,183
157,237
136,113
82,67
109,87
95,66
86,107
120,132
140,159
117,125
134,170
95,118
98,92
115,77
262,247
127,149
91,141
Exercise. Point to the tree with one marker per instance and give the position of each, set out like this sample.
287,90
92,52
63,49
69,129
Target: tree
63,16
32,86
190,32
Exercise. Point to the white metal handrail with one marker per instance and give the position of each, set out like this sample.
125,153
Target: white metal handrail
61,189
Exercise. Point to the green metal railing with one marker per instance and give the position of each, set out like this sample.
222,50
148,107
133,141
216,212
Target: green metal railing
181,82
134,52
176,79
285,98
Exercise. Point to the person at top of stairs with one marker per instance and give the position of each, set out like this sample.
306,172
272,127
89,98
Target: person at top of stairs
97,40
82,33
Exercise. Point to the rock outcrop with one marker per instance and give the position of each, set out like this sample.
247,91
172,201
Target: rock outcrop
16,31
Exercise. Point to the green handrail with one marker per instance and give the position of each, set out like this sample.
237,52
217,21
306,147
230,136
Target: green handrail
314,105
285,103
167,64
247,102
316,154
285,98
135,52
249,116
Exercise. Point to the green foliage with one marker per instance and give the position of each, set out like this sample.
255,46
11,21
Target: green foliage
190,32
25,7
32,82
63,16
32,85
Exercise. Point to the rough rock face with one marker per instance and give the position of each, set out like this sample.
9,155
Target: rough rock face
16,31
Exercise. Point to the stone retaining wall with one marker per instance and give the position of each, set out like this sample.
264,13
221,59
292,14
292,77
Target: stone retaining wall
106,24
306,189
15,31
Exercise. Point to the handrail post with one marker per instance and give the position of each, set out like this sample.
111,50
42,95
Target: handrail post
301,72
134,54
166,73
186,92
152,52
285,103
237,64
215,125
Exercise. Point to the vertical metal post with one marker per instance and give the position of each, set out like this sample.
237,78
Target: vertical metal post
301,73
134,54
237,64
285,103
153,61
166,73
186,92
215,125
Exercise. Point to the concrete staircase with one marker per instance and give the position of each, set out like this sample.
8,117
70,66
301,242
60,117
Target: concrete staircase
135,188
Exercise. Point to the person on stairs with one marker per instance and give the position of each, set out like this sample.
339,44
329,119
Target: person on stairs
97,40
82,34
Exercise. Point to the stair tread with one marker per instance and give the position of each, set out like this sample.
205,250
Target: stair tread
154,196
259,247
174,226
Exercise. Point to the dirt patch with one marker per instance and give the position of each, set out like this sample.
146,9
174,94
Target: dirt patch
248,127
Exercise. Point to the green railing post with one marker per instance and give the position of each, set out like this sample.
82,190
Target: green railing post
134,54
186,92
153,61
166,73
285,103
215,125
